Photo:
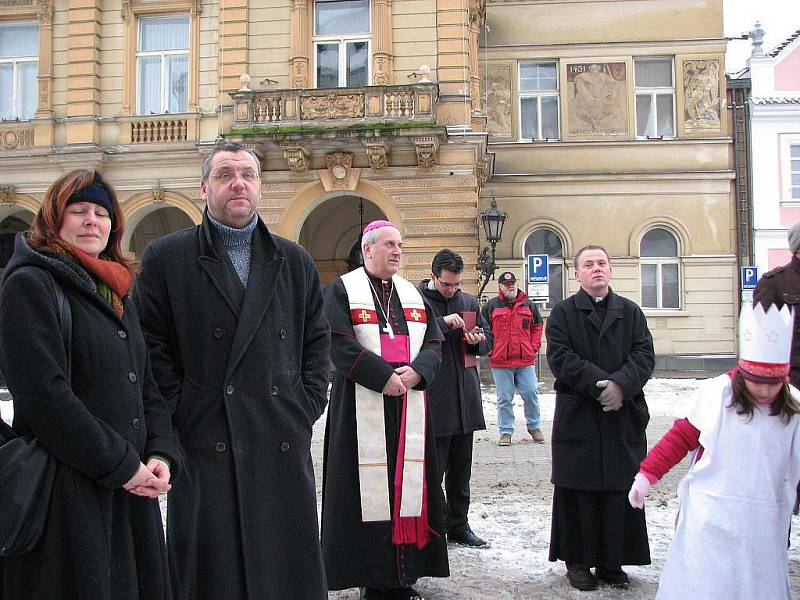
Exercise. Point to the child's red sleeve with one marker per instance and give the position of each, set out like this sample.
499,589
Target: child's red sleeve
670,450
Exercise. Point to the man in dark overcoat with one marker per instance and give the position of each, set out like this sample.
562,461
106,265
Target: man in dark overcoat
601,355
455,395
782,286
379,452
234,319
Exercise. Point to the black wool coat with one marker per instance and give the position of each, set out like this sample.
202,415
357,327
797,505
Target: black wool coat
596,450
357,553
100,542
244,373
455,394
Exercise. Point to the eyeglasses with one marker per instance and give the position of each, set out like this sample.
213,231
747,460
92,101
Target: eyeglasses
448,286
249,175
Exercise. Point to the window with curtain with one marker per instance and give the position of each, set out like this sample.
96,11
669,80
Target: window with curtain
19,69
162,65
794,156
660,269
341,43
545,241
538,100
654,89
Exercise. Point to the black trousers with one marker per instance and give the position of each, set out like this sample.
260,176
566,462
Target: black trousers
597,529
455,467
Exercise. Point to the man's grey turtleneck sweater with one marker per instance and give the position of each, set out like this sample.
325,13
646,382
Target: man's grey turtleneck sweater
237,243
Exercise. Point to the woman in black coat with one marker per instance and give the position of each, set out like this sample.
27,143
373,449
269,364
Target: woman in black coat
104,420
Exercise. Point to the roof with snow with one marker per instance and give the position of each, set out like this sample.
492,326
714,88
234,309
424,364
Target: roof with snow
780,47
777,100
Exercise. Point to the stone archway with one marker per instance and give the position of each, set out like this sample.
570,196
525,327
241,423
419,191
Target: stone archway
146,220
331,231
13,220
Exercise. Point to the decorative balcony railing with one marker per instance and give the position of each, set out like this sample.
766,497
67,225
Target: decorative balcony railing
158,130
343,106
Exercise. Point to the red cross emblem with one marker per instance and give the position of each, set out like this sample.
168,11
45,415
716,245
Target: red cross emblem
363,315
415,315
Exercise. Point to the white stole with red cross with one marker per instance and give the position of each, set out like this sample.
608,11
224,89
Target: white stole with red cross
370,427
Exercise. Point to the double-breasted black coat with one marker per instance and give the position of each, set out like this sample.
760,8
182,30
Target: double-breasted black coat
244,373
596,450
455,394
100,542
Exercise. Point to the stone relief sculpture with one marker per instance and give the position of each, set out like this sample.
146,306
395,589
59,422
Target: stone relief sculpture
701,103
498,101
597,99
332,106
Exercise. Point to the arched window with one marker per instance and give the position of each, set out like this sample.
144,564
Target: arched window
660,269
544,241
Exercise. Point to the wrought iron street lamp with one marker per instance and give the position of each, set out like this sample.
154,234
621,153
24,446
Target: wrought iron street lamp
492,221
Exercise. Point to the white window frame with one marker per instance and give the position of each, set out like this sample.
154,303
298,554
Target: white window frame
538,95
343,40
792,187
659,262
164,102
654,92
15,74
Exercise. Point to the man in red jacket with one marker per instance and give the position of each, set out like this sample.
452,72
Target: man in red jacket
516,325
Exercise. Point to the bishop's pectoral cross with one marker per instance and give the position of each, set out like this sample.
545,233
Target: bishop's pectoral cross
388,330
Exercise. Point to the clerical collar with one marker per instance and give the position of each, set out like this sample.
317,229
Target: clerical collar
377,279
598,299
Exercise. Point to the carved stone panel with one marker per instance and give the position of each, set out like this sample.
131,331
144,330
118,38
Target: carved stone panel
701,98
376,154
296,156
7,194
427,149
332,106
498,101
597,100
16,139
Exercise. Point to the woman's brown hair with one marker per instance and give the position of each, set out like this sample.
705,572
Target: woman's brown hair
47,222
784,405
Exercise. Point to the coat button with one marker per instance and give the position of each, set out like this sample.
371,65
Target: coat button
132,377
229,390
274,390
220,447
122,334
284,446
217,333
283,334
136,423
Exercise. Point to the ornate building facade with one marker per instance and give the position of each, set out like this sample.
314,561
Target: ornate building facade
609,126
589,121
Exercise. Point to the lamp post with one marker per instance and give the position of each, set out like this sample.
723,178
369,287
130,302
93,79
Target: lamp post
492,221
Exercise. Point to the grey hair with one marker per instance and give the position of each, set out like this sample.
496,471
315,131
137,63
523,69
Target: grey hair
226,147
589,247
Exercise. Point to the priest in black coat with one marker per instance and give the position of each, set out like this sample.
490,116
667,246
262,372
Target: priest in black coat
601,354
384,554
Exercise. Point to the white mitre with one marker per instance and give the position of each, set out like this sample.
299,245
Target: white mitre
765,337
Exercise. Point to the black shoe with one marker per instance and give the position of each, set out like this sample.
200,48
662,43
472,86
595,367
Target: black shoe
582,579
366,593
614,577
404,593
466,538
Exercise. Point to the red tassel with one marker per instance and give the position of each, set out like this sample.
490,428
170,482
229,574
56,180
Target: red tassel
408,530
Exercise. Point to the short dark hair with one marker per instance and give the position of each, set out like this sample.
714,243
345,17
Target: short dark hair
589,247
225,147
448,260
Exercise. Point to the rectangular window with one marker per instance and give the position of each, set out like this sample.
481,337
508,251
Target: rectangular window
162,65
654,89
19,69
538,100
342,42
660,286
794,153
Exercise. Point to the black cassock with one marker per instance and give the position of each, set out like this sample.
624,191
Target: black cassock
359,554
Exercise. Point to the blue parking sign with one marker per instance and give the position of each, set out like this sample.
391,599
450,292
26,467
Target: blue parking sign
749,278
538,271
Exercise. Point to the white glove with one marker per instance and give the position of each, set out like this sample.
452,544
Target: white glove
640,488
